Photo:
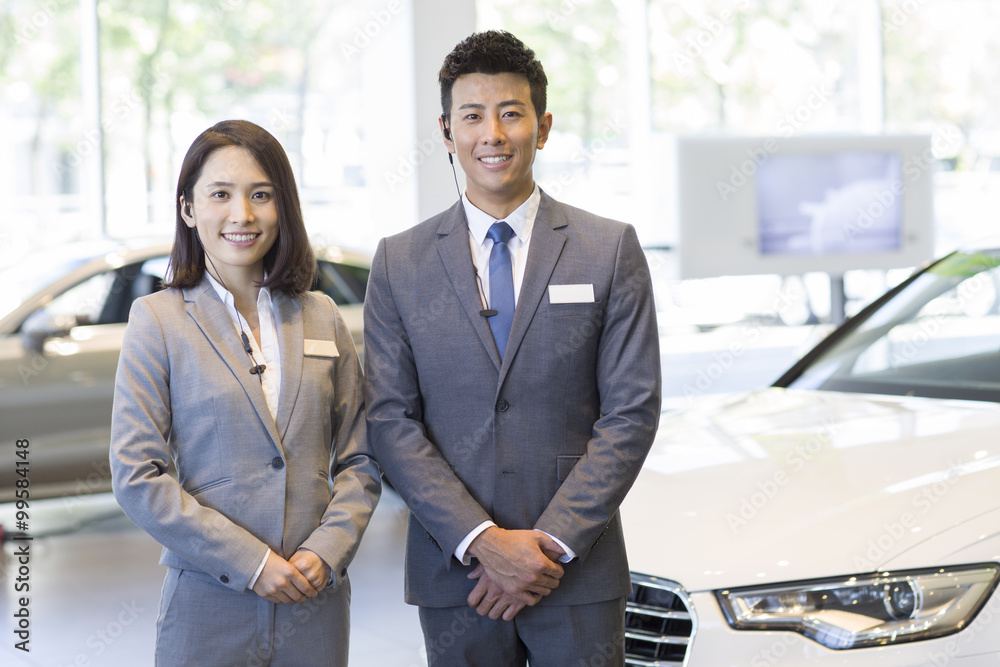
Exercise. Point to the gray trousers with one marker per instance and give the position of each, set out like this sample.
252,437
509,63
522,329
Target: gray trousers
204,624
591,635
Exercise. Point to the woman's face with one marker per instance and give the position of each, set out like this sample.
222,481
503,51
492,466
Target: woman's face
234,211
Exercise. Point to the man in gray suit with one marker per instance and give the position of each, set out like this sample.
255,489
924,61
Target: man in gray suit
513,388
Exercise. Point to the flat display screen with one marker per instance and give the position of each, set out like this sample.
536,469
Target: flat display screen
822,204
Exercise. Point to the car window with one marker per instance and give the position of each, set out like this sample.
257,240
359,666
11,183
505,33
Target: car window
84,301
940,336
104,298
344,283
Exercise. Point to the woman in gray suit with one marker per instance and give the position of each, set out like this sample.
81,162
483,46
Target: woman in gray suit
250,384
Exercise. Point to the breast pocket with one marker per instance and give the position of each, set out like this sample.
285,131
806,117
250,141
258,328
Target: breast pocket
582,311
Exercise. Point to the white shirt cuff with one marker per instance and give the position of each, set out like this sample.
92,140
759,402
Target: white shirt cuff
260,568
569,555
463,546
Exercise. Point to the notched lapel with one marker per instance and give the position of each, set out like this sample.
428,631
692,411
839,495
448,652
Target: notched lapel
456,255
543,253
288,322
211,316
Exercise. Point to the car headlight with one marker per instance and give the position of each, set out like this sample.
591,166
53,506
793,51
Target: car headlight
866,610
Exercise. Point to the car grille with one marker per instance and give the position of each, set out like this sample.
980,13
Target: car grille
659,623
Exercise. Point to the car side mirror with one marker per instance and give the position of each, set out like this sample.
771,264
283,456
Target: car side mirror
41,326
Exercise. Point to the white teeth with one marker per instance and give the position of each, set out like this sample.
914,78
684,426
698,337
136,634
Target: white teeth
240,238
495,160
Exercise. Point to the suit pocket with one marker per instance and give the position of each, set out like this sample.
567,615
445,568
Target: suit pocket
587,311
209,486
564,465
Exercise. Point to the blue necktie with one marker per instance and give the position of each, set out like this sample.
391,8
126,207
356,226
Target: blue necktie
501,284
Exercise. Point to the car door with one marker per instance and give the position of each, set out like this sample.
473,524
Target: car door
57,375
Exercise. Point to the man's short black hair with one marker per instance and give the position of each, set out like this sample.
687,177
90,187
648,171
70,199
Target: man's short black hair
492,52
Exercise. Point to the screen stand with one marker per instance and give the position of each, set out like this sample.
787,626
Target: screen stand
838,298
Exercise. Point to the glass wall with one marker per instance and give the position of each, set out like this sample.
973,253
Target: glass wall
170,68
784,68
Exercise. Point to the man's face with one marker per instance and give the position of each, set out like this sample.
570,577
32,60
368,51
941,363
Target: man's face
495,133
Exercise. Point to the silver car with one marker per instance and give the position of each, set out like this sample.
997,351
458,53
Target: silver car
62,317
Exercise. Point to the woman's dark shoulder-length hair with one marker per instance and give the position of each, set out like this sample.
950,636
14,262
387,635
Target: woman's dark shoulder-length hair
290,263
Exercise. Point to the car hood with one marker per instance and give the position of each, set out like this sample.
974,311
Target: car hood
782,485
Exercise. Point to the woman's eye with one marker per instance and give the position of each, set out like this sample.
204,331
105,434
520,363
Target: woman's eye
262,196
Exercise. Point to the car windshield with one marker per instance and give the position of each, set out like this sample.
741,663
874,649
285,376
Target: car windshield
939,336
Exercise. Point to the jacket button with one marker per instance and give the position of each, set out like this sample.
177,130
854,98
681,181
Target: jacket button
277,463
502,405
224,579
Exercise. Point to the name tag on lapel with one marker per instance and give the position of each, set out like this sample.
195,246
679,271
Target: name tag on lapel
571,294
321,348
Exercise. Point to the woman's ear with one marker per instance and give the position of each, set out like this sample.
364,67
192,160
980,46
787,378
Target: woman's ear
186,212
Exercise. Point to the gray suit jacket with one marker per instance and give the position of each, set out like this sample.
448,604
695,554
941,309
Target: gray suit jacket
553,437
244,483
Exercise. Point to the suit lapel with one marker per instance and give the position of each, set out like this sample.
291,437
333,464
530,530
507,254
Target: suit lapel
453,248
543,252
288,322
211,316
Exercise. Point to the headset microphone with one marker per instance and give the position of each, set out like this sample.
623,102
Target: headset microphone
485,312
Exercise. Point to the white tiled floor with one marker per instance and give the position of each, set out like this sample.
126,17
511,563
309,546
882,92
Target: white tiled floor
94,590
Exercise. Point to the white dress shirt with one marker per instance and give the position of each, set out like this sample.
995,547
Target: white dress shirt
522,221
266,353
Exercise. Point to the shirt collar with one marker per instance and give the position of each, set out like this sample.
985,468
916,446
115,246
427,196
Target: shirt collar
521,220
227,297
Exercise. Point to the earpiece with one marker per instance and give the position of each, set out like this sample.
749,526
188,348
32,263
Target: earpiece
187,210
447,135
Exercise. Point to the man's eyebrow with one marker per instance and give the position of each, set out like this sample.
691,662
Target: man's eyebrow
505,103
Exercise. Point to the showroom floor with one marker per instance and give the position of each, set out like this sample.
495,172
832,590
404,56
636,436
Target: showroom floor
95,583
94,590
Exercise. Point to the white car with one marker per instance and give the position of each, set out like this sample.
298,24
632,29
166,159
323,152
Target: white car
848,515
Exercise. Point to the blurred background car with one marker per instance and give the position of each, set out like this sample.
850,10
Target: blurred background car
62,317
848,513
